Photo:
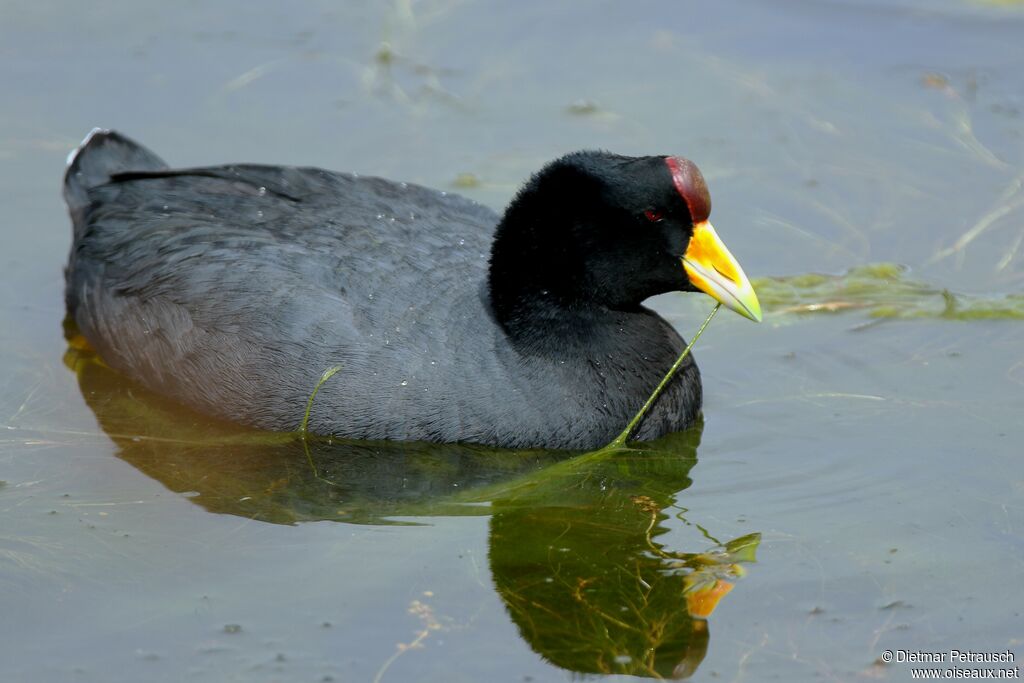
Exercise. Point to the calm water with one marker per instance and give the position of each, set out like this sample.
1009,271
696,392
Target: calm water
857,484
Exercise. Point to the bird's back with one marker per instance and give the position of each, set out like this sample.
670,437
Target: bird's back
233,288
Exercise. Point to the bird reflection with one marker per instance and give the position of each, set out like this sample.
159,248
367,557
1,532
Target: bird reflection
574,545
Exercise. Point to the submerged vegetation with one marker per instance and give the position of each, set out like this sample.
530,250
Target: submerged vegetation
882,290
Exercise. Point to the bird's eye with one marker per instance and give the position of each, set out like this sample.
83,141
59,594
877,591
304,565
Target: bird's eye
653,215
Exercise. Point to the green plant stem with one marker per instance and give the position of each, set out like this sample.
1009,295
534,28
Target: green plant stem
620,440
328,373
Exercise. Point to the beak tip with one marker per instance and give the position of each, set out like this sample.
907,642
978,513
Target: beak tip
750,313
755,312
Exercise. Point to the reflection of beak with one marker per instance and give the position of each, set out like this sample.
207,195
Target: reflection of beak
712,269
702,599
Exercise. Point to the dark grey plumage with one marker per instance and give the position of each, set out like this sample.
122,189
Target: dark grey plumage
231,289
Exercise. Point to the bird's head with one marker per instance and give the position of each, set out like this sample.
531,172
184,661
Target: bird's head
598,228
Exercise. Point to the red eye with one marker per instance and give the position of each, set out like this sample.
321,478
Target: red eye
653,216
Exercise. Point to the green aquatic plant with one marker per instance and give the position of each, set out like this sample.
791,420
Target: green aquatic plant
882,290
620,440
328,373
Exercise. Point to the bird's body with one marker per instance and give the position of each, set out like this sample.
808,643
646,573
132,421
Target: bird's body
231,289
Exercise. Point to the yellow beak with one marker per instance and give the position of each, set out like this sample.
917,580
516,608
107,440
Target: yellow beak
712,269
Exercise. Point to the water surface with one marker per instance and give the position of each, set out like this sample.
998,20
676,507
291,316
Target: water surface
856,485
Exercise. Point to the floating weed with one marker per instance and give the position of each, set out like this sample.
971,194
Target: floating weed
428,624
882,290
1009,202
466,181
583,108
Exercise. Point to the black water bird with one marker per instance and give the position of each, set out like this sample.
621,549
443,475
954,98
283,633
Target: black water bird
232,288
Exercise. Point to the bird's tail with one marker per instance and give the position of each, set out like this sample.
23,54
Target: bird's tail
102,154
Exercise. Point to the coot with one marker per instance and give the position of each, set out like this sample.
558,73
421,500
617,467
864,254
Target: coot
232,288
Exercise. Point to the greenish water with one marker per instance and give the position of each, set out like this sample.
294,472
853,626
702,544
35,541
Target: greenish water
856,485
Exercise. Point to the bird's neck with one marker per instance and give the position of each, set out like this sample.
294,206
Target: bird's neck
546,308
537,291
534,270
